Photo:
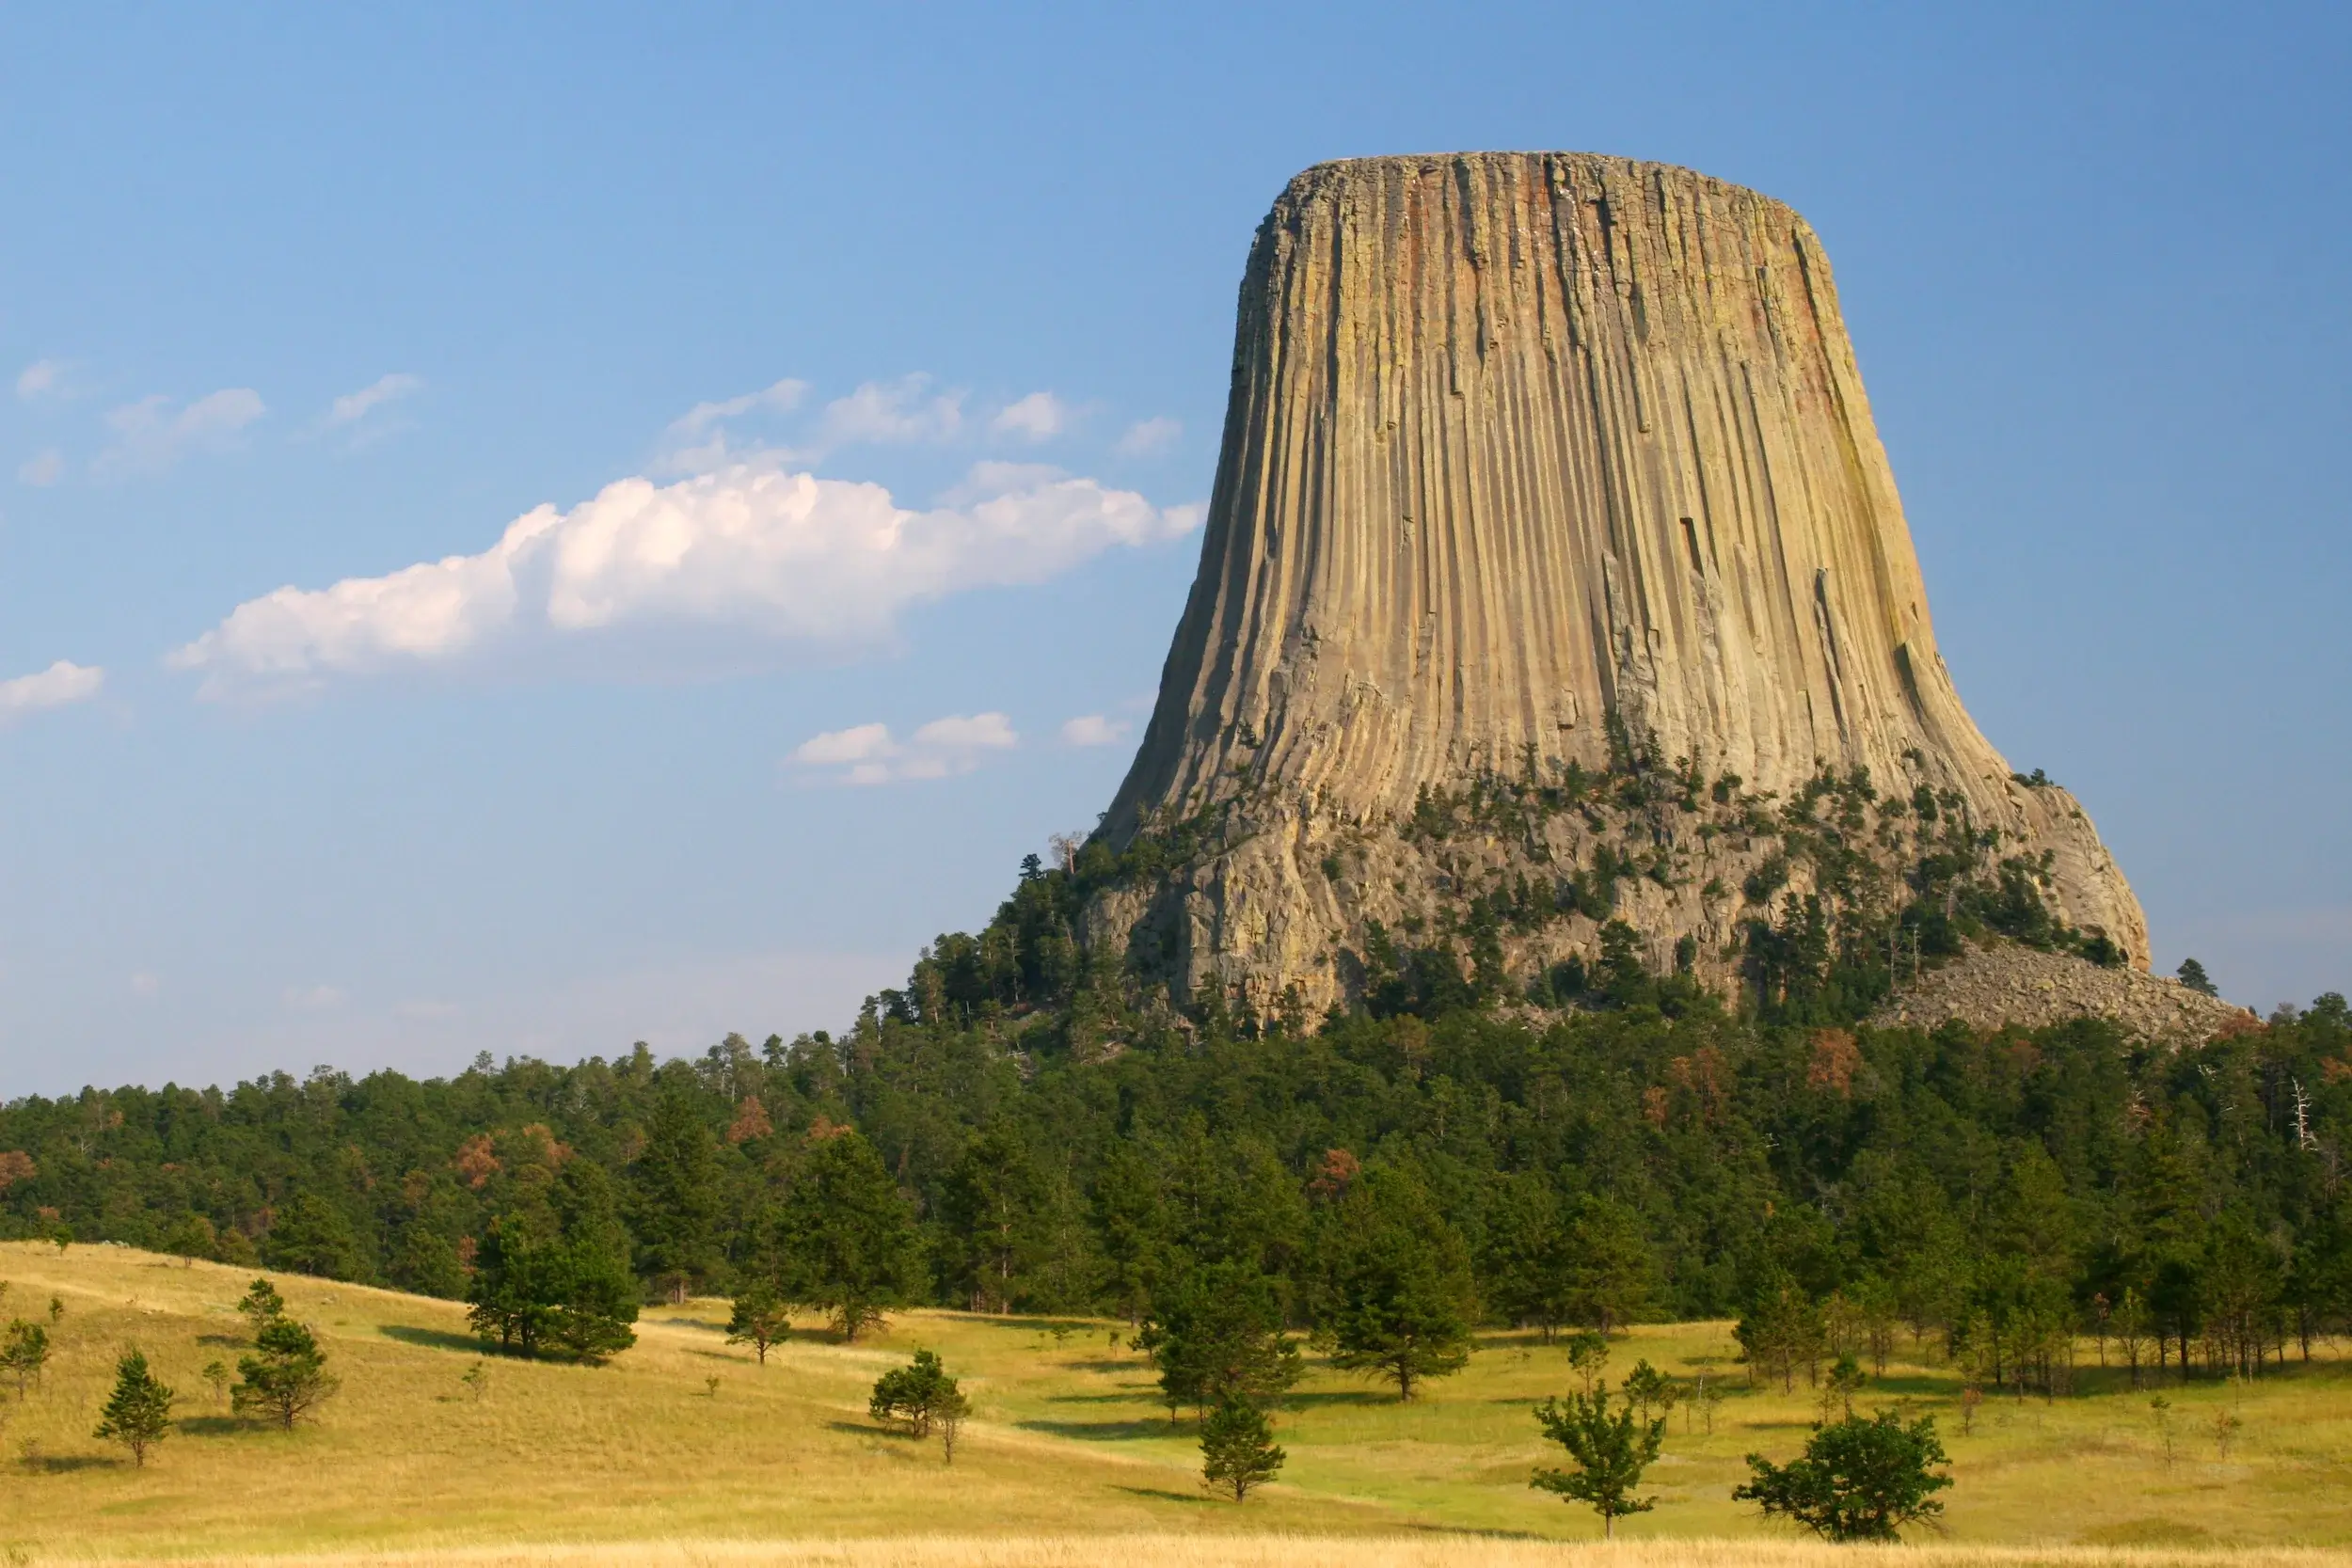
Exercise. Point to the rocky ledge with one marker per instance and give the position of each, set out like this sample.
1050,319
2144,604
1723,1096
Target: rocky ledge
2004,983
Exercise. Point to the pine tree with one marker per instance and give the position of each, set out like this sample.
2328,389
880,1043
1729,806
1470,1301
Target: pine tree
676,1213
286,1377
1525,1263
24,1353
843,1241
917,1396
260,1305
1215,1333
1609,1453
571,1295
1130,1230
137,1413
759,1320
191,1237
993,1208
313,1236
1237,1449
1615,1273
1393,1296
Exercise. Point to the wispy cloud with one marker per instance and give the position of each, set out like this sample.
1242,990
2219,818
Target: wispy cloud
710,435
770,558
698,440
870,755
1149,437
352,407
61,684
1039,417
43,468
1094,729
312,999
891,413
41,378
152,433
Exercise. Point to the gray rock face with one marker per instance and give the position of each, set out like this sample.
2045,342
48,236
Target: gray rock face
1517,442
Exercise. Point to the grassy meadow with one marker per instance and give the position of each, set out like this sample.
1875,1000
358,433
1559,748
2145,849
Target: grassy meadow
687,1440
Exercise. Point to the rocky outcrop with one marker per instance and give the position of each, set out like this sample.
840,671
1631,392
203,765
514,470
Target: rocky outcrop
1991,987
1533,462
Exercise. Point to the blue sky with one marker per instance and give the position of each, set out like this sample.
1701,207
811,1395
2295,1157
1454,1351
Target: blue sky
291,299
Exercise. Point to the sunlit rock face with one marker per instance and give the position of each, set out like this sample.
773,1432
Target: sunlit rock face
1519,442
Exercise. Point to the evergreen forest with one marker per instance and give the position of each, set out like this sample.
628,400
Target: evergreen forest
1653,1152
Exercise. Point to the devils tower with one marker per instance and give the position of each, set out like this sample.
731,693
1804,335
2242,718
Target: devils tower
1541,470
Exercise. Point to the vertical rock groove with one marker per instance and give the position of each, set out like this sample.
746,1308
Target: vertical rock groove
1515,440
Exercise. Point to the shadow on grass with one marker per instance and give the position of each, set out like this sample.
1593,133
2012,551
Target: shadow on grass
1296,1401
67,1463
1463,1532
1129,1365
1163,1494
1141,1392
436,1339
1106,1432
220,1425
231,1340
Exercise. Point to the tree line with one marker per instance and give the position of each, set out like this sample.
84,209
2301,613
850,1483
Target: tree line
1986,1194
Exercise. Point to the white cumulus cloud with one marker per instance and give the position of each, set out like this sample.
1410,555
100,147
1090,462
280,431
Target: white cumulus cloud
310,999
1093,729
352,407
44,468
754,550
61,684
1039,417
152,433
1149,437
870,755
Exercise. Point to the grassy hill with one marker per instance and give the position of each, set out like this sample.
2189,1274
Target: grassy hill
686,1437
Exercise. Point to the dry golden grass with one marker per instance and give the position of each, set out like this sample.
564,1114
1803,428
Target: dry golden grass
1068,1461
1279,1551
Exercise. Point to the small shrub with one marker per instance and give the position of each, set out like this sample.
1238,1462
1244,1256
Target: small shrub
918,1396
1862,1479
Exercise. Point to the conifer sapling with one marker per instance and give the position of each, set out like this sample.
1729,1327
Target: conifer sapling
137,1413
286,1377
1609,1452
1237,1450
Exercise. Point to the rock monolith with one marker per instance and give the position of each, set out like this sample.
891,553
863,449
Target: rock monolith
1537,465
